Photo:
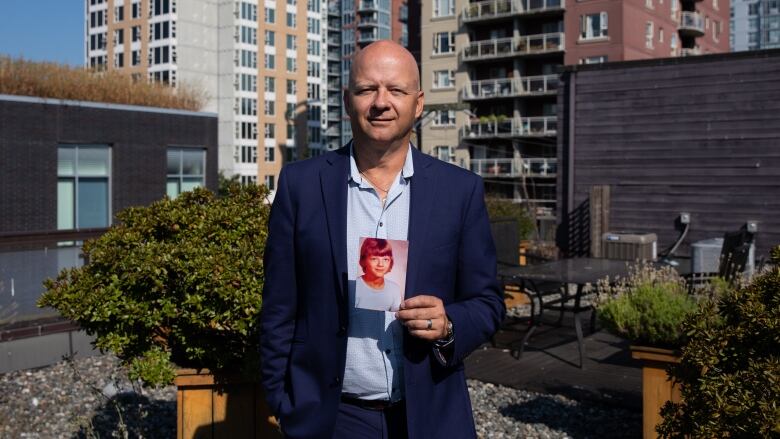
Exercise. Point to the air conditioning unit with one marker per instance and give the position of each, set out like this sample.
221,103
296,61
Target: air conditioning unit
630,246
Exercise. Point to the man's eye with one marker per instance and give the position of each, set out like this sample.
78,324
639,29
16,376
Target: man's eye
397,92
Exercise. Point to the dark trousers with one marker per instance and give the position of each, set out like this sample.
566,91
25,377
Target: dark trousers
355,422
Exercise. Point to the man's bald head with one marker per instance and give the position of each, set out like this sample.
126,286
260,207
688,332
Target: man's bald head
386,51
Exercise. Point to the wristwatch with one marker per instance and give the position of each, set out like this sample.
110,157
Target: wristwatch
450,335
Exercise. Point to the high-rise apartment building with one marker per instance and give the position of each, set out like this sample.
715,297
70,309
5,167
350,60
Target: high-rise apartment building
210,45
755,24
489,73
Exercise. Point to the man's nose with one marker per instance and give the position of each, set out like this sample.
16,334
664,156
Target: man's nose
381,102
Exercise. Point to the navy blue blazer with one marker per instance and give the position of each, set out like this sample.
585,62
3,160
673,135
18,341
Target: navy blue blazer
304,318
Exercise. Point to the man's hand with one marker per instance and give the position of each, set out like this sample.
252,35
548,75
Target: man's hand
415,313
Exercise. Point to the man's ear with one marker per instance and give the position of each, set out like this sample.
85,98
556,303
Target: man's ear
347,103
420,104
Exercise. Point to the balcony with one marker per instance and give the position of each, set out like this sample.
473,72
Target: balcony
365,21
514,167
368,36
510,47
508,128
334,8
494,9
368,6
334,40
334,131
334,115
691,24
509,88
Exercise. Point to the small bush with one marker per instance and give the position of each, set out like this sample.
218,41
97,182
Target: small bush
499,208
50,80
179,280
730,366
648,307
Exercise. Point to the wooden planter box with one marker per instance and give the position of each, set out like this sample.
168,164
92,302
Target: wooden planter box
210,407
657,388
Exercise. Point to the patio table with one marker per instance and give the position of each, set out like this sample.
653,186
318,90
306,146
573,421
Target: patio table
533,279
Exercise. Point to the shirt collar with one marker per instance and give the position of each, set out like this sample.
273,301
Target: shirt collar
406,171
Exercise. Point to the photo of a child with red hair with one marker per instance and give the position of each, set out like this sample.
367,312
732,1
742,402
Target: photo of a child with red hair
383,264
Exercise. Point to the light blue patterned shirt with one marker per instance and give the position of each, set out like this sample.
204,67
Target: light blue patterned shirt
374,367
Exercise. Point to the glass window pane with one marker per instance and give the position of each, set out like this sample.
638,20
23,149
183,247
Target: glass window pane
172,187
190,183
65,202
174,161
93,203
66,158
192,162
93,160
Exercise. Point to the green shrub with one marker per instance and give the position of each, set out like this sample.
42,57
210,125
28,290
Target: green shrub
648,307
730,366
179,280
499,208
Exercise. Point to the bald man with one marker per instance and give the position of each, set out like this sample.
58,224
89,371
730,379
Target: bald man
331,370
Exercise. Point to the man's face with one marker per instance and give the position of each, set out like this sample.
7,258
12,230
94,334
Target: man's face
377,266
383,99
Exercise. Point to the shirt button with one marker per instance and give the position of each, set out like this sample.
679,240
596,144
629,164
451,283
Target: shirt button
381,224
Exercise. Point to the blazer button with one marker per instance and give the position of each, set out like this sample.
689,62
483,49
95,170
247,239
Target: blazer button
336,381
342,331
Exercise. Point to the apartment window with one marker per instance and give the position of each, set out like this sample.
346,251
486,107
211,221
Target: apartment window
313,91
292,42
269,131
160,30
136,33
270,38
248,11
290,112
443,79
248,106
270,154
270,61
443,42
248,154
248,58
291,2
83,194
291,87
444,118
247,180
649,4
269,182
136,57
313,69
593,26
291,65
270,15
270,83
594,59
136,10
673,41
314,135
443,8
270,107
675,4
444,153
715,5
160,7
186,170
291,19
248,35
313,6
290,132
119,60
660,35
246,82
649,34
312,25
313,47
119,13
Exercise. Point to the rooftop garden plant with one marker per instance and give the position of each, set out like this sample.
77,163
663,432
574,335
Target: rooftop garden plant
729,369
649,305
177,283
50,80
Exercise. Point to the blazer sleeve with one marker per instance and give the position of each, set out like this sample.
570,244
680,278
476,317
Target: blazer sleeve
478,308
277,320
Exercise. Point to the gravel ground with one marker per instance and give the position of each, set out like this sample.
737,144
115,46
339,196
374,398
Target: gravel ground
91,397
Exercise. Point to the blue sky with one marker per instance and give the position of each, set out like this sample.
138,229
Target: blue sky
43,30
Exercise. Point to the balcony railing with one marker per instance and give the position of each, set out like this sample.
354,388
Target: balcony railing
490,9
368,5
498,88
519,127
334,8
334,40
367,37
691,23
514,167
334,115
368,21
507,47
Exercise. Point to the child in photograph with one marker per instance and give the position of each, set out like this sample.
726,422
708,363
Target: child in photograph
372,289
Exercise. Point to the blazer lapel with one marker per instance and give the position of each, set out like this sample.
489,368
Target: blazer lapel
423,193
333,183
